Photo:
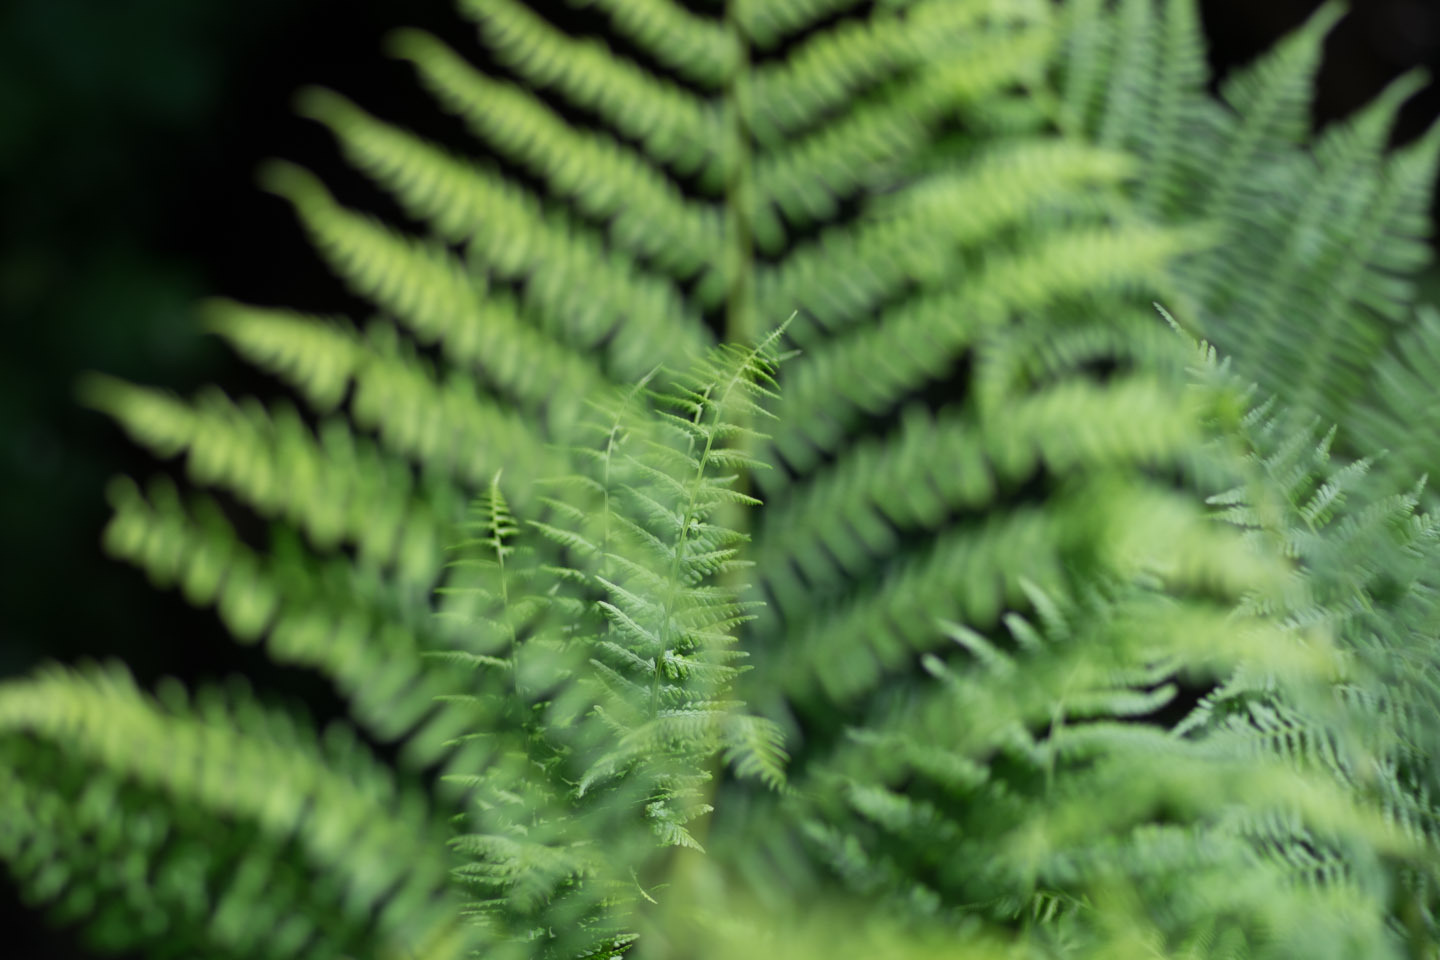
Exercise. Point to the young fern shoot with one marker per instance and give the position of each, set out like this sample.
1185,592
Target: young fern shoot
617,642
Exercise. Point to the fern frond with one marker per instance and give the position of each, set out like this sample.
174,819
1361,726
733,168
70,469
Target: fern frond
917,237
804,181
301,605
445,427
1125,110
1315,244
428,287
846,520
832,66
1402,410
919,340
317,356
1272,101
1182,71
766,23
196,770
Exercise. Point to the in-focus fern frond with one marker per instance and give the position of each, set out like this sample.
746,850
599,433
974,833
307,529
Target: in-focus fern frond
607,651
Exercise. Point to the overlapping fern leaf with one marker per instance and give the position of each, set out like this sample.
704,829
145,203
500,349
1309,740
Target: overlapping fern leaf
951,751
606,670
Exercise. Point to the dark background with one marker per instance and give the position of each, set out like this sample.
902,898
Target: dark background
129,134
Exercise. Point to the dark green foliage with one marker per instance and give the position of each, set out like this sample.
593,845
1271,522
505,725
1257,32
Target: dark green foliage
1309,283
984,669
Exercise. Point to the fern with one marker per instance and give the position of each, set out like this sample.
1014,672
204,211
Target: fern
1398,414
969,632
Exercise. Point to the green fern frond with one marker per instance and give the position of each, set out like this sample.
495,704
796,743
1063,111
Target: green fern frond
615,709
840,523
448,428
1316,246
804,181
856,56
317,356
1271,99
870,370
330,859
766,23
1400,414
979,623
843,276
607,181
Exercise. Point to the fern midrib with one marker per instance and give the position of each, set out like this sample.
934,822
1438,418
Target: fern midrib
740,309
686,519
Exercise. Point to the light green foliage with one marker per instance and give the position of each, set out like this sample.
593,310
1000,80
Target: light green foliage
983,673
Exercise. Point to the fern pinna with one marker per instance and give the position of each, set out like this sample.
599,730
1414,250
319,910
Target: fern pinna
984,579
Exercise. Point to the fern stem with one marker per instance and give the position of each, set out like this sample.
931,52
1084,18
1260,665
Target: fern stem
686,518
497,533
741,324
739,196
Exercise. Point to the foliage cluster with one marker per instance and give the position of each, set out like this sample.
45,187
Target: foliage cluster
973,610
